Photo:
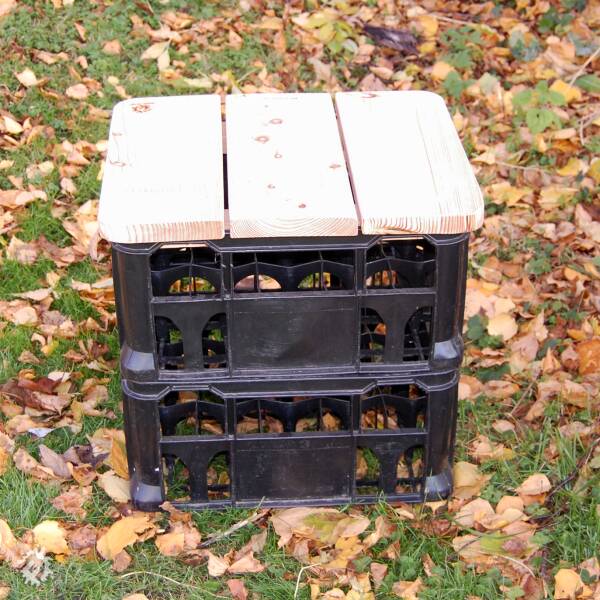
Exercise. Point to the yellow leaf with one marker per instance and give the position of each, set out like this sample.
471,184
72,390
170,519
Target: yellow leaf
572,168
505,193
51,536
121,534
114,486
503,325
487,158
440,70
118,455
594,171
569,92
552,196
567,584
429,25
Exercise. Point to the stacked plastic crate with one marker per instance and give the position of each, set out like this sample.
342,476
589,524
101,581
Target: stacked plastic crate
290,370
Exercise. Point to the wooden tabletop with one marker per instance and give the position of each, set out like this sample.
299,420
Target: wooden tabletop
297,165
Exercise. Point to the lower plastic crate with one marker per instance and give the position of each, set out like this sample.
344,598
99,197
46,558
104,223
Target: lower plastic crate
285,443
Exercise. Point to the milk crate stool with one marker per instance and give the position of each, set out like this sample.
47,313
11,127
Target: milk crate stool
290,289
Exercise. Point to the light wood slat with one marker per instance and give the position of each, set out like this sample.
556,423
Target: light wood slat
408,167
163,175
286,169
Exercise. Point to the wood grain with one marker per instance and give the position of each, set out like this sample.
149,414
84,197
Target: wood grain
408,168
286,170
163,175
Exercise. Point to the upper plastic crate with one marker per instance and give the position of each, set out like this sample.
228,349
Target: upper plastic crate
232,308
312,240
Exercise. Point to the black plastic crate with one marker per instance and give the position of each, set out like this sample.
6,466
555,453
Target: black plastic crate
291,442
310,306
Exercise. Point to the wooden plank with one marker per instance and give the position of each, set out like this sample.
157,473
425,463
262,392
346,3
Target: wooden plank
408,167
286,173
163,174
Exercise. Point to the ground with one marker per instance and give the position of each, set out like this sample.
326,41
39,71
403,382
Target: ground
519,81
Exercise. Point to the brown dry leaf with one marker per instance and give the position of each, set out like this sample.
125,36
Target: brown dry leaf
170,544
72,501
112,47
23,252
237,589
292,520
6,6
408,590
217,566
474,512
469,387
4,591
55,462
121,534
589,356
468,481
155,51
499,390
78,91
28,465
378,572
533,490
4,461
246,564
27,78
135,597
121,562
50,536
482,449
117,488
503,426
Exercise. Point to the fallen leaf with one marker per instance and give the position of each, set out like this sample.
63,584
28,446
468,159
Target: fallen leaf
246,564
117,489
534,488
408,590
216,565
121,534
237,589
27,78
78,91
567,584
50,536
72,501
468,481
154,51
170,544
112,47
503,325
589,356
55,462
118,455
